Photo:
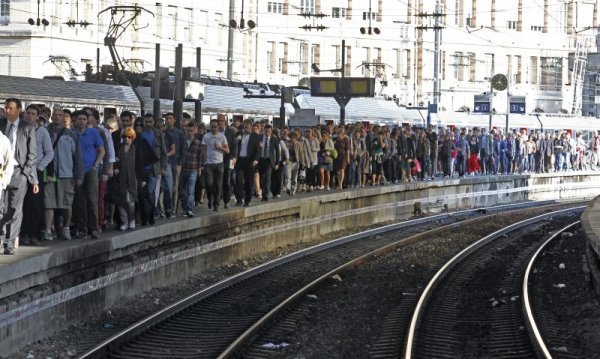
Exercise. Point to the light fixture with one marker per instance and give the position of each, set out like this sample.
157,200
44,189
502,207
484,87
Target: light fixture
38,21
370,30
242,25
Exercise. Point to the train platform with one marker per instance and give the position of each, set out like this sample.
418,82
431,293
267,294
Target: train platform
590,221
47,287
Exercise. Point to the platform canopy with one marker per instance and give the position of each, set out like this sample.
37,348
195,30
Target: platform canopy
374,110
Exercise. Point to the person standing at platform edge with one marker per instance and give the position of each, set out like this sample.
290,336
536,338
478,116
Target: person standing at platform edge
229,158
21,136
245,166
214,145
33,206
154,149
269,160
86,195
191,168
62,176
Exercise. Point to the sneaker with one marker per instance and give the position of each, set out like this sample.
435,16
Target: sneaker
81,235
48,235
132,224
95,234
66,234
123,227
170,215
189,214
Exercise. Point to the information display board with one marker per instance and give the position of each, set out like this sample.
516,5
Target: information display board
324,86
346,86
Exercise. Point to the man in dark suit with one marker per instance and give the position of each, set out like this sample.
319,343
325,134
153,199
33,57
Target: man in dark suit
22,139
245,166
269,160
227,157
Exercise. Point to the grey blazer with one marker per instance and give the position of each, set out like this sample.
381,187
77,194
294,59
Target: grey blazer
25,148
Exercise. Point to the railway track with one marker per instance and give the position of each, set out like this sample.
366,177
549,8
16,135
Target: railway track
206,324
474,306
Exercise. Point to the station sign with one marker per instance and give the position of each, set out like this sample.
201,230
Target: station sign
347,86
517,104
481,104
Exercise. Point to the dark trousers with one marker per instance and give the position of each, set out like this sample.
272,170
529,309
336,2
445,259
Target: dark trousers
214,182
265,170
33,209
244,171
86,203
226,181
276,179
13,208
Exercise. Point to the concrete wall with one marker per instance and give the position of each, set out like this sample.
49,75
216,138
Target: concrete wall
58,287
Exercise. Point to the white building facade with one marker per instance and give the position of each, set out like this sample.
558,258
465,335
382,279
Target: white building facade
533,42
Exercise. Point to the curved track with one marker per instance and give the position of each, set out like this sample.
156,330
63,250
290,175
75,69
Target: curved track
206,323
473,307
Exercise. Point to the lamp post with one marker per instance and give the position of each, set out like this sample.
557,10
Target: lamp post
232,26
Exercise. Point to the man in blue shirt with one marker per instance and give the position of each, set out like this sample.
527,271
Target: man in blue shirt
86,195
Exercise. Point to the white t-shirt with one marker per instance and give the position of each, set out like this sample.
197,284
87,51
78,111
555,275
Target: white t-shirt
213,155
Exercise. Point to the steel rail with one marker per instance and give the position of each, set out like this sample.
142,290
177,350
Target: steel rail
427,292
135,329
267,318
534,331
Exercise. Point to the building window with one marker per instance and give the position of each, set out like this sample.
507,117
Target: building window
269,62
338,12
203,24
315,54
275,7
512,25
4,12
537,28
551,71
366,15
307,6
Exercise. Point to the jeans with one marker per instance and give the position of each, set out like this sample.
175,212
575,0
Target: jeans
187,187
153,188
353,173
166,185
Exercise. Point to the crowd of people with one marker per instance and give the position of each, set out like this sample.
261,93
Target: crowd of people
64,174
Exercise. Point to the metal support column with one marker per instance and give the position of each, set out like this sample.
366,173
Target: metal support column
156,83
178,100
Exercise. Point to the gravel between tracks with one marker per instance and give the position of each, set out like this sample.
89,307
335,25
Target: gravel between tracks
77,338
356,311
565,299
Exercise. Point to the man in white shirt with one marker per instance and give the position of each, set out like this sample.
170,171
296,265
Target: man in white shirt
214,145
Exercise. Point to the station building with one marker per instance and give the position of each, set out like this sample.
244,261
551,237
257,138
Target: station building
536,43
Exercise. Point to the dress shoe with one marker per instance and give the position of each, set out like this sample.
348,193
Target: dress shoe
246,204
238,203
216,209
265,199
209,205
225,205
